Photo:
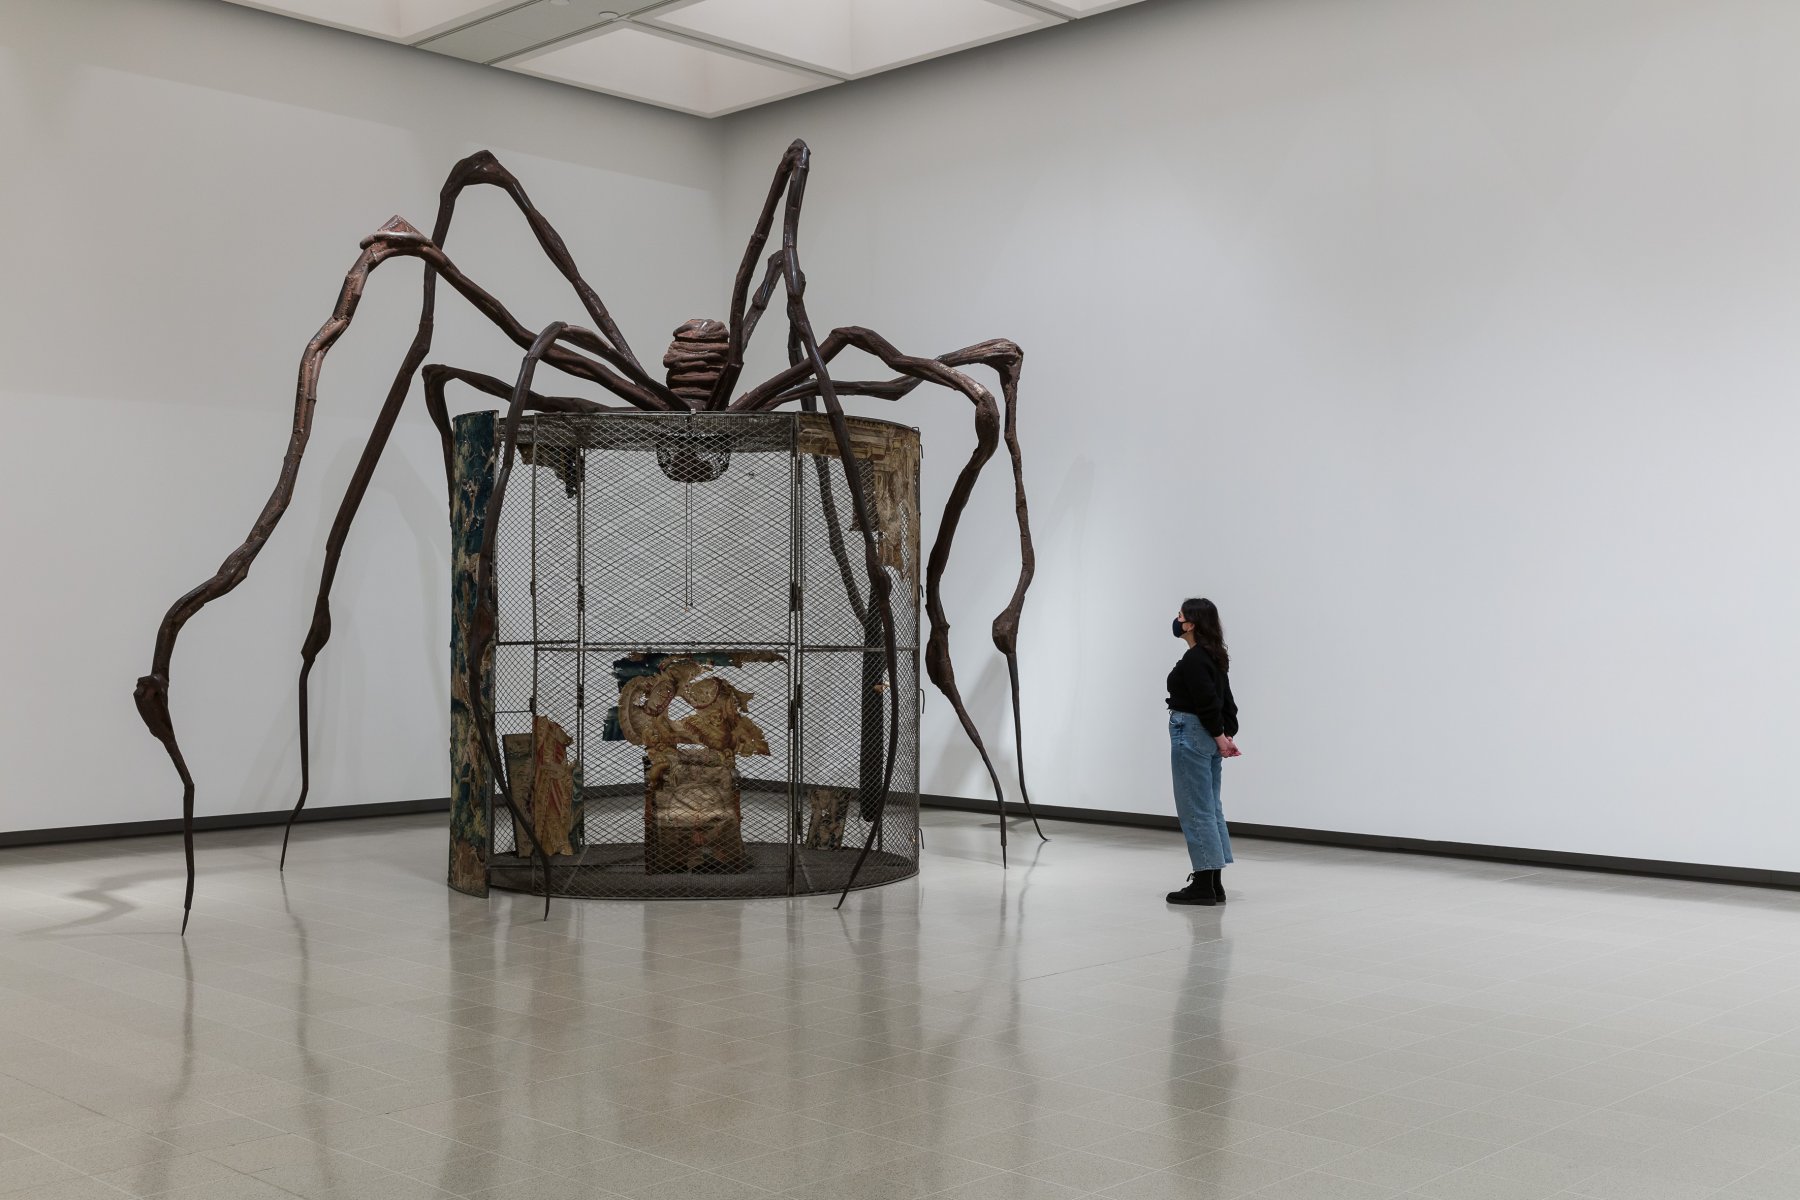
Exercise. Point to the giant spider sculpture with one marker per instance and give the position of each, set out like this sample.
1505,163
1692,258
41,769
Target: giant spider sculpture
703,368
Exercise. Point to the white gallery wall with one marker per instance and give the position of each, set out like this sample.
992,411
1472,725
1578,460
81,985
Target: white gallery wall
1449,345
185,185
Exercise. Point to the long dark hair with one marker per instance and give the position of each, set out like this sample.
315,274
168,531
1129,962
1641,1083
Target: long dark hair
1209,635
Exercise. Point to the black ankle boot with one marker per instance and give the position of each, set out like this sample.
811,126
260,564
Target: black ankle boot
1198,891
1217,879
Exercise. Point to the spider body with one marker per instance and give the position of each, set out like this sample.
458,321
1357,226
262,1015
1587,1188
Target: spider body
696,359
702,365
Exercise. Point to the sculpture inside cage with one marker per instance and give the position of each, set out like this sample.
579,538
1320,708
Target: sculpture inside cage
704,366
693,807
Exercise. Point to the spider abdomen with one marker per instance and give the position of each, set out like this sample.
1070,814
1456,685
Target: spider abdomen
696,359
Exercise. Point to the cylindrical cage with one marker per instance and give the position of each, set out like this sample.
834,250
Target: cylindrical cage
689,686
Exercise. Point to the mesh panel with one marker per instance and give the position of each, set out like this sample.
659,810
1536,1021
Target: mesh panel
657,563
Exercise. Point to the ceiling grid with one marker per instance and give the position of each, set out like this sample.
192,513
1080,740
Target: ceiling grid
704,57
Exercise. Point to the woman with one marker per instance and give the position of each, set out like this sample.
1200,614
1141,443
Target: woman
1203,719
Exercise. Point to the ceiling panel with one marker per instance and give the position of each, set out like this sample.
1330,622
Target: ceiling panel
523,27
851,38
1082,8
669,70
394,20
706,57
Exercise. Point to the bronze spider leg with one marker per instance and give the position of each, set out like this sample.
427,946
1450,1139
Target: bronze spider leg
746,324
871,759
483,168
643,391
987,437
152,691
483,625
787,190
822,469
394,239
840,552
803,346
790,178
760,302
437,377
1005,358
829,508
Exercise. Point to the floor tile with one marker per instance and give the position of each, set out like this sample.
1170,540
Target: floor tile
1009,1186
166,1175
1315,1185
1469,1183
1084,1170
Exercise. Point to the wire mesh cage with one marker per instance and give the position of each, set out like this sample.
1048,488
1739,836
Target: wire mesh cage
688,679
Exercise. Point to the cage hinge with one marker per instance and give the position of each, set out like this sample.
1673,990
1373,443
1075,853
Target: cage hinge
794,711
580,595
580,696
794,596
531,707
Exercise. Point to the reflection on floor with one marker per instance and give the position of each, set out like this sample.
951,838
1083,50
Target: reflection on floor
1353,1025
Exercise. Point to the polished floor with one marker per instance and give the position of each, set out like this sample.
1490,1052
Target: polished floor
1353,1026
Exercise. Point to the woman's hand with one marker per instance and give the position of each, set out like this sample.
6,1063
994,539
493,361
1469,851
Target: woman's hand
1227,747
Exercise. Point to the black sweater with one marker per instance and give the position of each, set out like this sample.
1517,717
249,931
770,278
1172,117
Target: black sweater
1197,685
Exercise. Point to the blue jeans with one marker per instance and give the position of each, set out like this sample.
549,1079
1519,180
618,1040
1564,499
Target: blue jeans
1196,764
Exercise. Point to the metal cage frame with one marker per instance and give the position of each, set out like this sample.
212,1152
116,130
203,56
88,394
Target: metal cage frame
714,547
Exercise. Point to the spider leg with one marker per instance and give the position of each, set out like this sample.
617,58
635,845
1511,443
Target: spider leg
634,385
804,350
796,383
394,239
1005,358
872,760
483,624
436,378
834,533
483,168
987,436
789,181
760,302
152,691
644,392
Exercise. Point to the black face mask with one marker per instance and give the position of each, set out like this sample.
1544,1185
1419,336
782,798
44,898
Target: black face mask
1179,631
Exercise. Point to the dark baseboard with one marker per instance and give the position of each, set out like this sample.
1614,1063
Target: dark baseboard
1056,812
1659,868
1703,872
338,812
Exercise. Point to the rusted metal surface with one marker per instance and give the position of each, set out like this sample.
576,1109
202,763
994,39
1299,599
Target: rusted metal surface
704,365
